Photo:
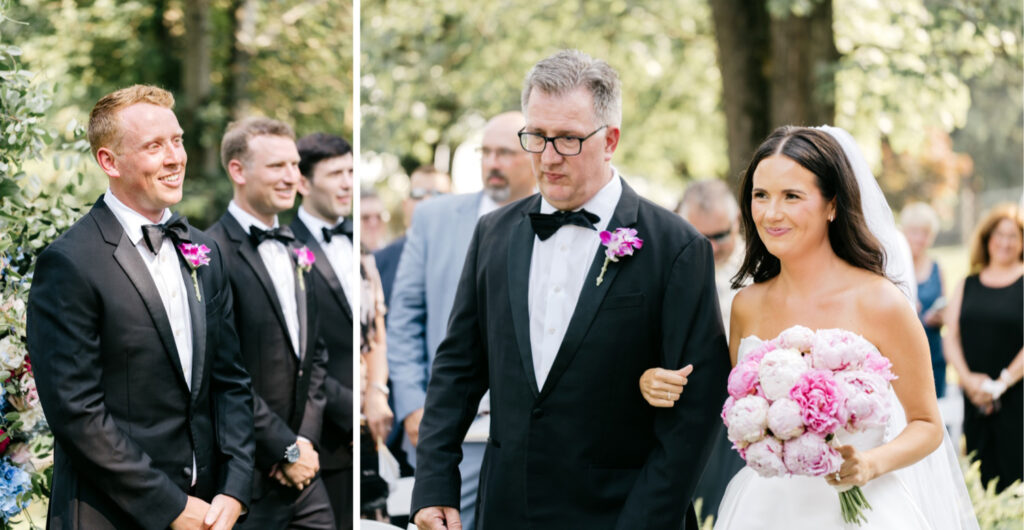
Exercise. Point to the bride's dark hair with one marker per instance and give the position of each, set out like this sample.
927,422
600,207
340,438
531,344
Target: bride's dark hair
820,153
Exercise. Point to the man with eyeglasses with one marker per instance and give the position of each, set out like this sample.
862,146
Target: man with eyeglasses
425,182
559,335
428,276
711,208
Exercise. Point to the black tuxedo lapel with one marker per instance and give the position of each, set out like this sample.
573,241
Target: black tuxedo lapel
322,265
592,294
127,256
252,256
520,252
197,310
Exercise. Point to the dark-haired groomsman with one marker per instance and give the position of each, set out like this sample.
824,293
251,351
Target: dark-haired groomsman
323,224
134,353
275,312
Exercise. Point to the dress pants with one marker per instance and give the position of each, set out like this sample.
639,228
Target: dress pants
339,490
288,508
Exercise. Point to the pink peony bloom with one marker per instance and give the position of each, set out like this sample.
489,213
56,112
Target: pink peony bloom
747,419
743,379
725,409
867,400
837,349
810,455
797,337
820,400
785,419
779,371
878,364
765,457
759,352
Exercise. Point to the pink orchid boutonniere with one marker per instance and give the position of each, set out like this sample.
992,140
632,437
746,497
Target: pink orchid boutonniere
621,242
196,256
305,259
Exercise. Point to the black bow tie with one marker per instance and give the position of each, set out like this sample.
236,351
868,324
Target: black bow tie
344,228
175,228
281,233
546,224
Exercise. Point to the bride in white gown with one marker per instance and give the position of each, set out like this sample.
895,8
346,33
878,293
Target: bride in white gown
815,255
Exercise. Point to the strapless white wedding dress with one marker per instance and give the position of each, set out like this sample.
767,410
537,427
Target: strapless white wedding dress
901,500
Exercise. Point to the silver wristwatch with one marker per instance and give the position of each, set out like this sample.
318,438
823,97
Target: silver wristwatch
291,453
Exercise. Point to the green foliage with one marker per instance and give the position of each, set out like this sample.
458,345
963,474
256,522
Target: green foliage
432,72
996,511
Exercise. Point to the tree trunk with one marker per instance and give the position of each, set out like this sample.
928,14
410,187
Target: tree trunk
197,86
803,59
244,12
741,29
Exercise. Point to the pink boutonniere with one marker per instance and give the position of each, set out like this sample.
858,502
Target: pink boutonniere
305,259
196,256
621,242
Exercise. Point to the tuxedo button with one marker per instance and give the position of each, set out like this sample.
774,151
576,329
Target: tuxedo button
558,288
551,331
537,414
187,471
300,372
174,294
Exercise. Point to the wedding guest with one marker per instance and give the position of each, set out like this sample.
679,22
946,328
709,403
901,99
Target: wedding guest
425,287
711,208
985,344
920,225
323,224
559,334
377,417
374,219
425,182
276,310
133,344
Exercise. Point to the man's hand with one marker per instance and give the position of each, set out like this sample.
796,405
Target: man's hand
412,426
224,511
301,473
661,387
191,518
438,518
378,414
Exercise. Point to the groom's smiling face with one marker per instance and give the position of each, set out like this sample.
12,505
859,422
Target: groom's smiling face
567,182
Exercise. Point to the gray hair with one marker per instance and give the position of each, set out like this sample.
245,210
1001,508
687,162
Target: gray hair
920,214
708,195
568,70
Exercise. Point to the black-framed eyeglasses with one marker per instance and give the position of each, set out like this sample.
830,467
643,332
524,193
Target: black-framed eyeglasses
564,145
719,237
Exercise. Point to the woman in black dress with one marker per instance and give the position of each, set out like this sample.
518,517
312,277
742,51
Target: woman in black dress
985,343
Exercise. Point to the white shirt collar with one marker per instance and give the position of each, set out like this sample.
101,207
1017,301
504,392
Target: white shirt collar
602,204
487,205
130,220
246,219
314,223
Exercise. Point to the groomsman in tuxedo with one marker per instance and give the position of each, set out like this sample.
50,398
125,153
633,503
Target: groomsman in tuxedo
560,337
276,313
134,347
323,224
428,274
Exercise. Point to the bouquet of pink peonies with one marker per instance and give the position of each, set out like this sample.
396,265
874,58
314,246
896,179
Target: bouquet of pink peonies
789,397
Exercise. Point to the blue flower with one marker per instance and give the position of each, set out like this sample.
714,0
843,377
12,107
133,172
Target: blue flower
14,483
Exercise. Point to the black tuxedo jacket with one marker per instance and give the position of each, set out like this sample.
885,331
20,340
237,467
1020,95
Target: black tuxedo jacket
585,450
111,384
288,389
336,330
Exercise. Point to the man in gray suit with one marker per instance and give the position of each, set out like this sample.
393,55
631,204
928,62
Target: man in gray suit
428,273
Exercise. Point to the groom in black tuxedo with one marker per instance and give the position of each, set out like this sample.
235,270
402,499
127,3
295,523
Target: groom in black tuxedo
323,224
275,311
137,363
572,442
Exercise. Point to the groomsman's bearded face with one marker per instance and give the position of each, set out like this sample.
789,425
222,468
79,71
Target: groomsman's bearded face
147,166
328,195
567,182
266,181
507,170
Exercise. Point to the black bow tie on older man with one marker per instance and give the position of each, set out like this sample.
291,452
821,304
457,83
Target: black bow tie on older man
344,228
282,233
175,228
546,224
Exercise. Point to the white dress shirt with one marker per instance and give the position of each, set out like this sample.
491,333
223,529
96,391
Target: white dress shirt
338,251
487,205
558,269
276,259
166,273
